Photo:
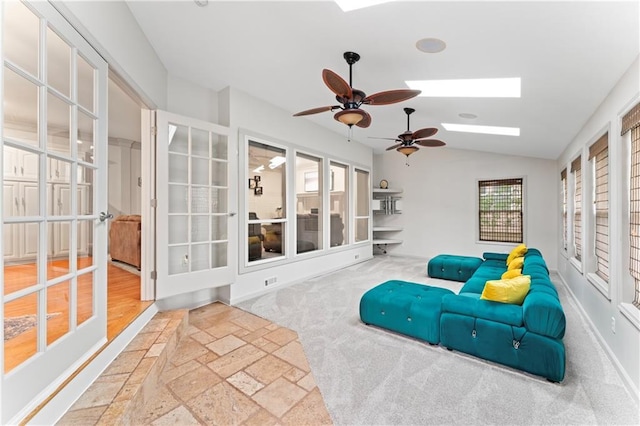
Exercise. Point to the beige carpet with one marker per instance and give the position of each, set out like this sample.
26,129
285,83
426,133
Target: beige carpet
369,376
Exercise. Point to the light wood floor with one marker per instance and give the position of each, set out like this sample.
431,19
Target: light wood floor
123,304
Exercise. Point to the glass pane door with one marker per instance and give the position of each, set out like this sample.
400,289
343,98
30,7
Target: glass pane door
54,151
194,248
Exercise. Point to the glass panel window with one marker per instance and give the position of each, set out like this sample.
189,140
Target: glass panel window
500,210
20,108
266,201
58,63
309,213
86,76
58,297
20,330
196,204
85,297
338,204
21,34
362,196
58,116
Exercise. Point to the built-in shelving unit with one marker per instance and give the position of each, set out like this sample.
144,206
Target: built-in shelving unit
386,203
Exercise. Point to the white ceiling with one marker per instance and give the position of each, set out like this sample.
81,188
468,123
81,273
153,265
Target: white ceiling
568,54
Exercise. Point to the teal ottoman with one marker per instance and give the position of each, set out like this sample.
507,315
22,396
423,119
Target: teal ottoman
404,307
452,267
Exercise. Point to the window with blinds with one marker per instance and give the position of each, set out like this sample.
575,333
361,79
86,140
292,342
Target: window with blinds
563,180
599,156
500,210
576,170
631,123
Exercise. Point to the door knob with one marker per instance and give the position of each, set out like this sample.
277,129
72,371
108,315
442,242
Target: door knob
104,216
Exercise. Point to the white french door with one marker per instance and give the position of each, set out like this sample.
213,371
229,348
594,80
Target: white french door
54,148
195,191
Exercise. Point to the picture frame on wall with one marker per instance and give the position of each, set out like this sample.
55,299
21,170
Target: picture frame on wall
256,178
257,190
252,183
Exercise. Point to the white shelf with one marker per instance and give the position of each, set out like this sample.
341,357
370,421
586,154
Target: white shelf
387,241
387,191
386,228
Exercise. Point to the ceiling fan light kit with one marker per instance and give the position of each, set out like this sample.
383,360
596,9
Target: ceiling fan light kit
351,99
407,149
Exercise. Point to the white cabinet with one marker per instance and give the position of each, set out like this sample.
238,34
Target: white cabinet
21,199
61,243
19,164
386,205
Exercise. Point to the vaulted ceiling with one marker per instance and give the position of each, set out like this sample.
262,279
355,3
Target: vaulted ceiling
568,54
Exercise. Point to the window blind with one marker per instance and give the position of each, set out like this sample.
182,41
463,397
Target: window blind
631,122
563,180
576,169
500,210
599,153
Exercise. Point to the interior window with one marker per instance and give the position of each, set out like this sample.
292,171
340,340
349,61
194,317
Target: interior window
309,212
266,201
338,206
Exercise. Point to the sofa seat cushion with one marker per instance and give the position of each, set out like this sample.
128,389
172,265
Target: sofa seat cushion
472,306
404,307
453,267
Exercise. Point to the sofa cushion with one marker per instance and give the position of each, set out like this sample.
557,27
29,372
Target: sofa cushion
470,305
519,251
512,290
453,267
487,255
512,273
542,313
516,263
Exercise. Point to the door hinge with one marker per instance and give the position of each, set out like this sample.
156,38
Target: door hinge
154,275
154,130
154,202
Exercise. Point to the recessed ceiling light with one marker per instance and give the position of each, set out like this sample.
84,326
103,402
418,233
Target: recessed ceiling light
201,3
467,115
431,45
489,130
349,5
468,88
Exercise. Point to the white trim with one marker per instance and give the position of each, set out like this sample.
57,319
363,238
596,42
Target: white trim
601,285
576,264
631,388
631,313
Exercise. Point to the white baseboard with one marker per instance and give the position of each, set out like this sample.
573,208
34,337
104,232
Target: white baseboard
67,396
631,388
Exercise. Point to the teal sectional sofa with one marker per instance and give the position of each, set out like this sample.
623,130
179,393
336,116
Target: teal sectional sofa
527,337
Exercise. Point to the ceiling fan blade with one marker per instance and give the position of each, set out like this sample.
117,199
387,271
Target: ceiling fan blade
424,133
431,143
316,110
336,84
366,120
391,148
386,139
390,96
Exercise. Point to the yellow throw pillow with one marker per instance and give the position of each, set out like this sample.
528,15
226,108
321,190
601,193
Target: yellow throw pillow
516,252
512,273
512,291
516,263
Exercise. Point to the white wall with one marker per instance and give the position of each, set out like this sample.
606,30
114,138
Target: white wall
113,31
440,200
601,308
191,100
240,110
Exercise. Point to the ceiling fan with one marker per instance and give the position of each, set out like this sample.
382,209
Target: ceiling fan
351,99
408,139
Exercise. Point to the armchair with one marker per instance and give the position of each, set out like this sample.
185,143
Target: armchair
125,239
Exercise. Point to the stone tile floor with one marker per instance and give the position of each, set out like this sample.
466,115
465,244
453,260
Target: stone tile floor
233,368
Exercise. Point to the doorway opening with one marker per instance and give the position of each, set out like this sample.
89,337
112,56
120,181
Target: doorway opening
125,261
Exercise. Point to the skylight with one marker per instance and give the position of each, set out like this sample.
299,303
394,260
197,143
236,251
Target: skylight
489,130
349,5
468,88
